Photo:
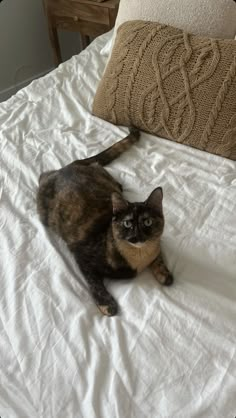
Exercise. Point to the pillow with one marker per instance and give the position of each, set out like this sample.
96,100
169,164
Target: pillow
106,49
172,84
213,18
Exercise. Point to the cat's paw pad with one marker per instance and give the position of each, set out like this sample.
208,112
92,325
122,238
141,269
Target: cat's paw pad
108,310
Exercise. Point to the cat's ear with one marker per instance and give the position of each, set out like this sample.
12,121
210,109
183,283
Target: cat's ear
119,204
155,199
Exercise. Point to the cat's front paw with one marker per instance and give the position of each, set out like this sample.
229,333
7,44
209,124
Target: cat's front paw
161,272
105,302
109,310
168,280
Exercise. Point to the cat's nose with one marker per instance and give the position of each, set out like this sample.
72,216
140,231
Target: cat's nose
133,240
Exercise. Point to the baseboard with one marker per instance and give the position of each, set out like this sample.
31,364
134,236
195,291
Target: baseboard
7,93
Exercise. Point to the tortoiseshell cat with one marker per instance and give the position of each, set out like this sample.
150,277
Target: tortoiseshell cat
109,236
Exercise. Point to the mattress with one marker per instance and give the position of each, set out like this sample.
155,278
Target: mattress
171,351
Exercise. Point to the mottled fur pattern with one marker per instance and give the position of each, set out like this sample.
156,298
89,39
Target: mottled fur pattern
108,236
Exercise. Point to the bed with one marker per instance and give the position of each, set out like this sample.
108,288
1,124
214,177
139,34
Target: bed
171,351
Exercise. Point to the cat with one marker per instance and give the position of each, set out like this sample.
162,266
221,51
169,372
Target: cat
108,236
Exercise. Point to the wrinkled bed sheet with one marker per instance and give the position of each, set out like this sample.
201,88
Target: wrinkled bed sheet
171,351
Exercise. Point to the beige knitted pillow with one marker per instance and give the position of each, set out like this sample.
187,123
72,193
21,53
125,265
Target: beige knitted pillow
172,84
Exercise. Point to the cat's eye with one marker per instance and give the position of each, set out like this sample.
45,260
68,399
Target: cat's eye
127,224
147,222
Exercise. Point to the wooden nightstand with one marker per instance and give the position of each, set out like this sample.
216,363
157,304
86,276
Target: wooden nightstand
88,17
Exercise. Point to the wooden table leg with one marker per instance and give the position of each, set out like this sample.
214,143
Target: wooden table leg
85,41
55,45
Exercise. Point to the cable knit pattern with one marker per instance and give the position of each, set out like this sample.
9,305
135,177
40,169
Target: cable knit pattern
112,80
173,84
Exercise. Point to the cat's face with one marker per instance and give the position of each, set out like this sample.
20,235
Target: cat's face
138,222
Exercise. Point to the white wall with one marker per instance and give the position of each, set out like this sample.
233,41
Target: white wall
25,50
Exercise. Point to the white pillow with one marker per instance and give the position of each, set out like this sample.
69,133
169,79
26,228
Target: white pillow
213,18
106,49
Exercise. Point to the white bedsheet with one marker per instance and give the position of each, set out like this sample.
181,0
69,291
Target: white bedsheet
171,351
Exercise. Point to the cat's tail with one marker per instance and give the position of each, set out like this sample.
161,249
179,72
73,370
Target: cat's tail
107,156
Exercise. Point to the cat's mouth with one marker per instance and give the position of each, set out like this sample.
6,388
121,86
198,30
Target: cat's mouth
137,244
